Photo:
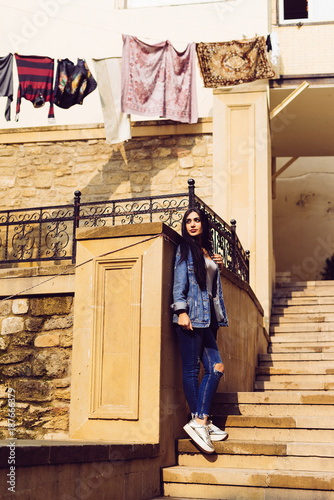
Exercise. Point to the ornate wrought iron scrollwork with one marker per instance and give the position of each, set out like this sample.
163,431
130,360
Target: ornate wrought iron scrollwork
23,242
56,240
43,234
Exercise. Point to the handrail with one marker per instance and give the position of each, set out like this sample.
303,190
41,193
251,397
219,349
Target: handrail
49,233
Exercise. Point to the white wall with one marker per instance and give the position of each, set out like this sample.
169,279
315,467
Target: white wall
303,214
81,28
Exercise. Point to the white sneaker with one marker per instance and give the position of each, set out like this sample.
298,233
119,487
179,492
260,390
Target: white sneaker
215,433
200,434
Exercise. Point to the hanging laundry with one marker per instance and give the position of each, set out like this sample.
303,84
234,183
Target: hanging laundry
157,80
234,62
35,81
73,83
273,48
6,81
116,123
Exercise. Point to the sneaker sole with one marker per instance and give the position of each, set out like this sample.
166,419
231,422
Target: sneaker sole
198,440
217,437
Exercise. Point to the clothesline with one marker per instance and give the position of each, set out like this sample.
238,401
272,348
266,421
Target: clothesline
152,80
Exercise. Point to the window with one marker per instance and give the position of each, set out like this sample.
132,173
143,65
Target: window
305,11
295,9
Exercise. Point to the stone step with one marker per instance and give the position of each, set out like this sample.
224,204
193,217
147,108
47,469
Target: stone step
276,397
306,377
307,309
305,347
296,368
265,448
302,301
228,492
278,456
303,327
220,477
263,410
293,385
320,338
278,434
302,318
306,285
280,422
297,356
298,292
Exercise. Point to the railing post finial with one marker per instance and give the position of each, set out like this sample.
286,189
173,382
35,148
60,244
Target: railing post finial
233,223
191,190
76,211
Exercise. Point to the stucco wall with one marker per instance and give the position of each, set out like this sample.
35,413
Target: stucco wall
303,217
244,338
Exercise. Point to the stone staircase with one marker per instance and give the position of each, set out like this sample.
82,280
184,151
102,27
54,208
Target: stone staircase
281,437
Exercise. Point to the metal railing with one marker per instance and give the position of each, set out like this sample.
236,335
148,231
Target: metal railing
49,233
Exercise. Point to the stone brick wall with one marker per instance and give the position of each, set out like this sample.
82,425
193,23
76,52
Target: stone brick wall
35,358
48,173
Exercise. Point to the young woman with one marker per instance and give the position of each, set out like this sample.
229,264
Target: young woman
198,312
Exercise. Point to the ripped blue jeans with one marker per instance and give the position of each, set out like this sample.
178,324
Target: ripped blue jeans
198,346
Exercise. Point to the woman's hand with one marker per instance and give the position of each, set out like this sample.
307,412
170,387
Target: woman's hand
218,260
184,321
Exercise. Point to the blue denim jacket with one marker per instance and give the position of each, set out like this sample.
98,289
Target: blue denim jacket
188,296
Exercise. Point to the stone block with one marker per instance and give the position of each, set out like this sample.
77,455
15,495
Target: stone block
24,172
32,390
58,323
164,163
5,307
18,370
186,162
162,152
60,423
43,181
28,193
47,340
47,306
199,161
4,343
12,325
20,306
186,140
62,394
66,181
199,150
7,182
7,150
15,356
61,383
61,172
66,337
53,363
33,324
140,154
7,171
8,161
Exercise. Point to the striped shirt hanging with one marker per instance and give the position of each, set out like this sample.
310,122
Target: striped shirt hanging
35,81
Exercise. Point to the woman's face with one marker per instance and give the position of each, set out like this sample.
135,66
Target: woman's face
194,224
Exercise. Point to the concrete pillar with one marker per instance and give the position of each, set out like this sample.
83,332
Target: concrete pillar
242,176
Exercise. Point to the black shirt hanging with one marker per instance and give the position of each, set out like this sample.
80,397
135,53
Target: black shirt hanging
73,83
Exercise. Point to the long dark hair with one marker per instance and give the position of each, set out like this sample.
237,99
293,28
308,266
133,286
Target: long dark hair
192,244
